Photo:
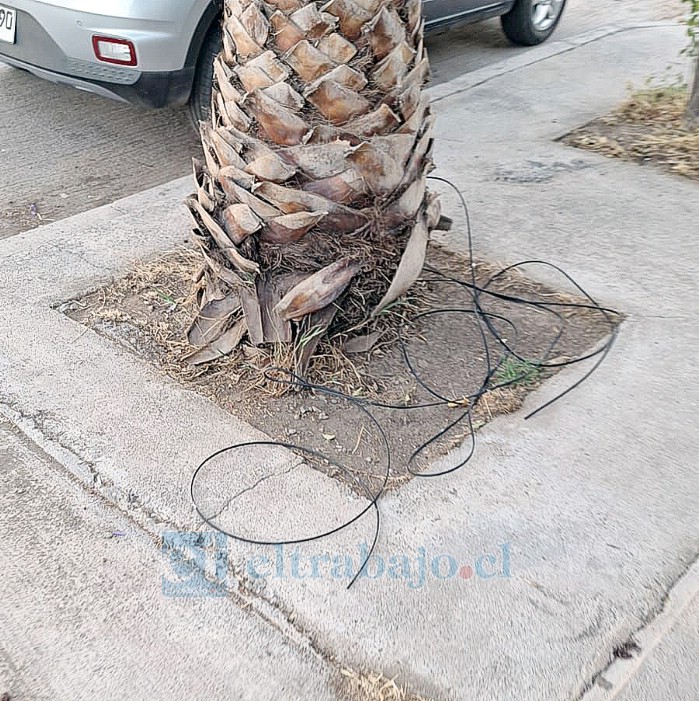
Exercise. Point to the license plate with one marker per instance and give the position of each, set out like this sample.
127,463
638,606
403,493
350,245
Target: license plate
8,24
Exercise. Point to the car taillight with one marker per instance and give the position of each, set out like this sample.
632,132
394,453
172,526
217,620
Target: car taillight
109,50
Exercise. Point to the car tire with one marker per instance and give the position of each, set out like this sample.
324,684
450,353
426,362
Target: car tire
200,99
525,25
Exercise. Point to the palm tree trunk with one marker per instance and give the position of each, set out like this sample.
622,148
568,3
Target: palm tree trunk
312,206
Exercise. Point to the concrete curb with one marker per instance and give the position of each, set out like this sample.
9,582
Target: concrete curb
532,56
612,681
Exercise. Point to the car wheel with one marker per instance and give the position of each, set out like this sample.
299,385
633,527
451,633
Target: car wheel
530,22
200,99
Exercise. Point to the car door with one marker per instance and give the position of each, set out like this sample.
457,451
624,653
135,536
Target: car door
445,11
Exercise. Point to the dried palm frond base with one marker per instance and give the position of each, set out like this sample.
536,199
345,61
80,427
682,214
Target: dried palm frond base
149,311
649,128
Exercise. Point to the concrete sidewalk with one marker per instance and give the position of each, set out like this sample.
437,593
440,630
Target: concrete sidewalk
82,614
662,659
670,672
596,499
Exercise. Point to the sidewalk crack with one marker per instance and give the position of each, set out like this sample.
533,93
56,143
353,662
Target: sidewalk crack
248,489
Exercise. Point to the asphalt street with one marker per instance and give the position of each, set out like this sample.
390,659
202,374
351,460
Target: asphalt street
63,151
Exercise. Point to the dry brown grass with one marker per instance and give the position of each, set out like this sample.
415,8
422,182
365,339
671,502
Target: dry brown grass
649,126
375,687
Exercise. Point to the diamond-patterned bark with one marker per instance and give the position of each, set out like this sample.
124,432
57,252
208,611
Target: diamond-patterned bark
315,167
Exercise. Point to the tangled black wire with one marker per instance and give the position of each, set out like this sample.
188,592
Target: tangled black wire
486,325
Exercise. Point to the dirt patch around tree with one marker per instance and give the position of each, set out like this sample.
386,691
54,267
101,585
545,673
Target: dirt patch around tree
429,358
649,128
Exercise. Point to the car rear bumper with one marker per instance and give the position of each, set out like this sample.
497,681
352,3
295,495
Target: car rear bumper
146,90
54,41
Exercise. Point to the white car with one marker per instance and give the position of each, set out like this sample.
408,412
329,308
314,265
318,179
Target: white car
160,52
